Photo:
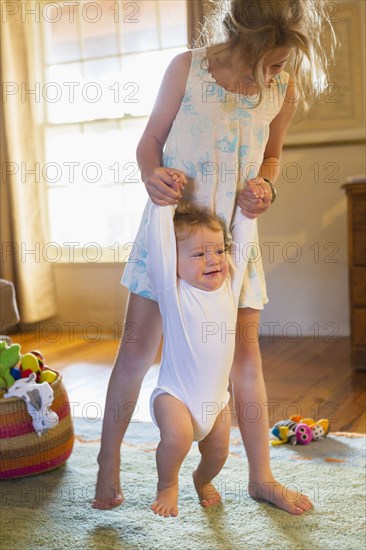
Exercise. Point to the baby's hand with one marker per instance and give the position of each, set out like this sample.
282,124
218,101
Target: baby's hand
256,187
178,180
165,185
254,198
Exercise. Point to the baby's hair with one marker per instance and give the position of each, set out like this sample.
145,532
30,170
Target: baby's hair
261,26
188,218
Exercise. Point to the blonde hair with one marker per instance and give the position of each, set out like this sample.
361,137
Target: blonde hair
188,218
257,27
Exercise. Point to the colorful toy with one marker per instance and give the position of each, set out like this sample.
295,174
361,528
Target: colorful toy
288,431
35,362
40,358
300,430
29,363
320,429
25,373
48,376
38,399
16,373
14,366
9,357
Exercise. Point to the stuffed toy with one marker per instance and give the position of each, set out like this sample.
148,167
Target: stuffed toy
38,399
29,364
299,430
288,431
14,365
320,429
9,358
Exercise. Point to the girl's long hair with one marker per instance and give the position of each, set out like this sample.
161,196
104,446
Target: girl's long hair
259,26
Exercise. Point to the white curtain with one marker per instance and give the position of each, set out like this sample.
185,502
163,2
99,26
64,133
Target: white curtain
23,226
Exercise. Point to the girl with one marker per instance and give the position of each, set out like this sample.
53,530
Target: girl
219,121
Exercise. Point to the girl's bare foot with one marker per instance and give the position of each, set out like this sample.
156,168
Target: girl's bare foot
166,502
207,493
108,492
291,501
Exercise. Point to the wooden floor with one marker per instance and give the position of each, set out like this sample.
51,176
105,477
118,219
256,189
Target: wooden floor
305,377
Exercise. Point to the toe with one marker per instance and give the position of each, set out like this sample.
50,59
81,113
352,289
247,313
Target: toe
304,503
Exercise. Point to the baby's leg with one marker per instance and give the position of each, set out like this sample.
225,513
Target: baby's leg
214,449
176,436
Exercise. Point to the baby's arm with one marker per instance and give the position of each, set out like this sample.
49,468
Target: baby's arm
244,232
161,247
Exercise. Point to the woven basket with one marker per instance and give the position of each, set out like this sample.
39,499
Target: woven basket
22,451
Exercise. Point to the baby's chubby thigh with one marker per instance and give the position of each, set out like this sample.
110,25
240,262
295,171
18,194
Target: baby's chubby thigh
174,422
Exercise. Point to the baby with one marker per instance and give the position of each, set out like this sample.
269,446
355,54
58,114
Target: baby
197,284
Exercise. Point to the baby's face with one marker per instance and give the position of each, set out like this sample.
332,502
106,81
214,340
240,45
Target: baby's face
202,259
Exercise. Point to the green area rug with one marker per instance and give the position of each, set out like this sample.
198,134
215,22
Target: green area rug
52,510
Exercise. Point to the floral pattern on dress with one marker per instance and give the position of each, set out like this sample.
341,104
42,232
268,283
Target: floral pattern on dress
218,139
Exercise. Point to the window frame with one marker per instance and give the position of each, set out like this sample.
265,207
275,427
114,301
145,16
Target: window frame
77,254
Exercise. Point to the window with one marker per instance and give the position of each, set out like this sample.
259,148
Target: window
102,66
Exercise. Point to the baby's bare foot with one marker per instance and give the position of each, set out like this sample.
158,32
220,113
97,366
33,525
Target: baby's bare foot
108,492
166,502
291,501
206,492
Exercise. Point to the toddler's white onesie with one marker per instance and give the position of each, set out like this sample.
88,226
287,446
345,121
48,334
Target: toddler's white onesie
198,326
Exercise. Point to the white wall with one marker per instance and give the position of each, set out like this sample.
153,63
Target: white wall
90,299
308,281
302,293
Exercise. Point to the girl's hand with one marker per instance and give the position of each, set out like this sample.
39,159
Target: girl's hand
255,198
165,185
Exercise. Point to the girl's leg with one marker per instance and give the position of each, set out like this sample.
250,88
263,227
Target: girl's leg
248,382
214,449
139,345
176,436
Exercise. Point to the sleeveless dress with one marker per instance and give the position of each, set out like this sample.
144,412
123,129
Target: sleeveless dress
218,139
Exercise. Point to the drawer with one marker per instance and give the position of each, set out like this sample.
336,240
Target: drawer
359,247
358,326
359,212
358,286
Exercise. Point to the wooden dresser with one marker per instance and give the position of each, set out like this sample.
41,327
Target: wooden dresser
356,195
